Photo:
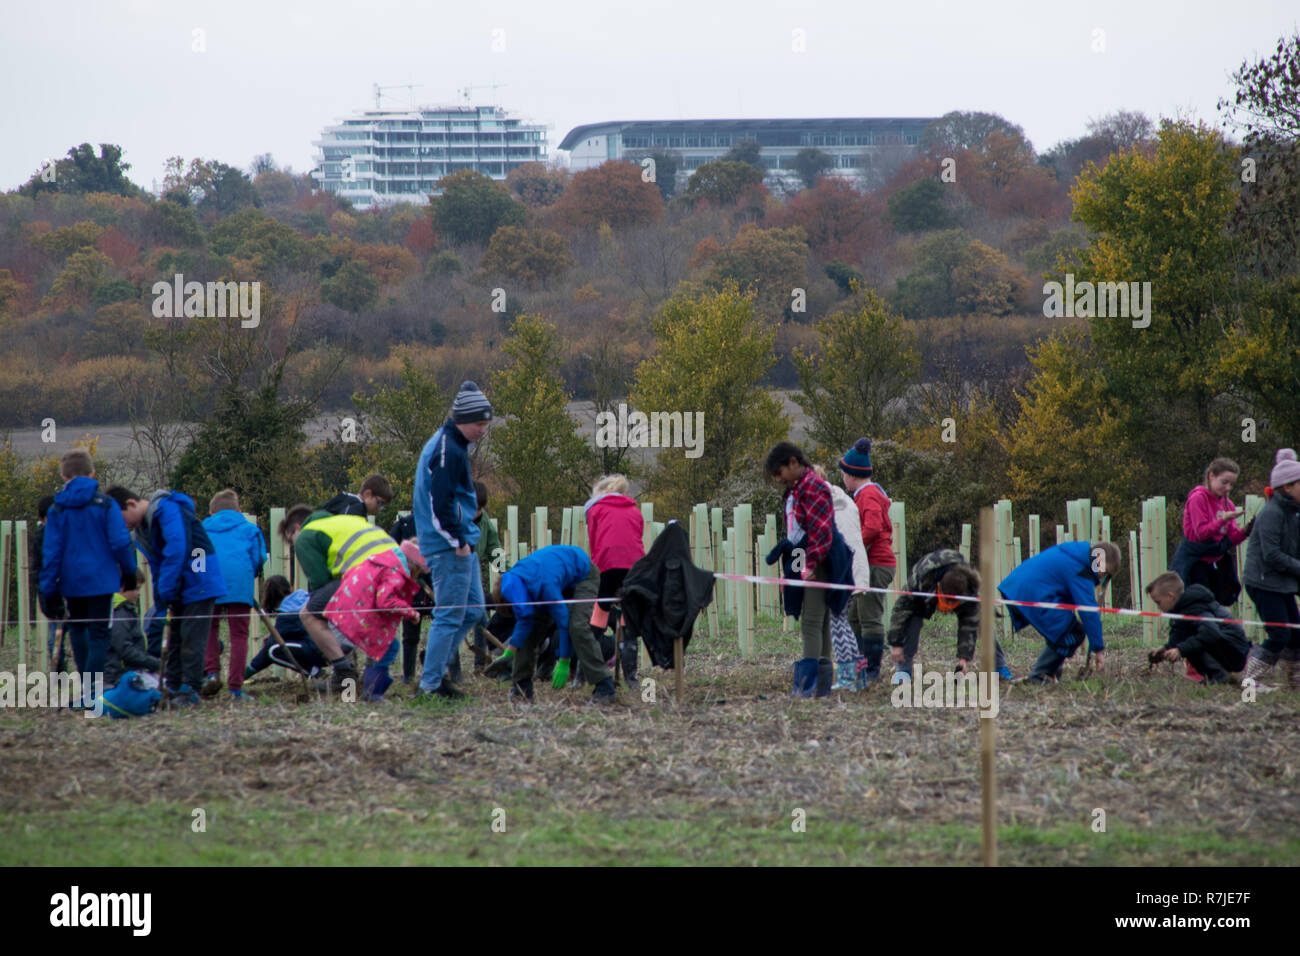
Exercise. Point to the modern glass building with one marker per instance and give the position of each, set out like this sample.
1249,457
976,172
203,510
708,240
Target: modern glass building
386,156
848,141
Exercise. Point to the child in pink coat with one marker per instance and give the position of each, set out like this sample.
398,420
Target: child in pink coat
373,597
1210,525
615,531
1210,517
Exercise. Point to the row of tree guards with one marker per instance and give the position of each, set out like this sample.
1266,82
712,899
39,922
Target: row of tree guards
737,546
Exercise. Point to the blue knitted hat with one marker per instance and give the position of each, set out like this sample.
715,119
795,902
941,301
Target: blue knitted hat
857,460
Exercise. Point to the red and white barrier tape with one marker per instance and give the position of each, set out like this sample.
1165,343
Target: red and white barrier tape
1051,605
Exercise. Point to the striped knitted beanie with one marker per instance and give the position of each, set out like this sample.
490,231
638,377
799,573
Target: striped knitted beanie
471,405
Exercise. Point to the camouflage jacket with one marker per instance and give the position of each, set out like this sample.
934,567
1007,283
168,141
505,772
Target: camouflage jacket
910,612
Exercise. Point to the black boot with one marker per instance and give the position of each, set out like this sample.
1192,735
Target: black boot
825,677
410,648
606,642
628,654
873,649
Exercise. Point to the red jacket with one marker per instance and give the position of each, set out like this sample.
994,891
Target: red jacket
1200,523
615,531
877,529
375,594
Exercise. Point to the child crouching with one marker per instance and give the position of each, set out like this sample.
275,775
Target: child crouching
1213,646
375,594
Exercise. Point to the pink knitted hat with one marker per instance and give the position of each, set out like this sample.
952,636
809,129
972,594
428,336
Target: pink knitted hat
413,557
1286,470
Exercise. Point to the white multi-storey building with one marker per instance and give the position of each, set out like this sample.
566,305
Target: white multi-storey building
385,156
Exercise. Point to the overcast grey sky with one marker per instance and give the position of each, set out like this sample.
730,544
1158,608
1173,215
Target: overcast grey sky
274,72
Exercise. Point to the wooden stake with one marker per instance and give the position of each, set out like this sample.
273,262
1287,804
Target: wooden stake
988,766
6,532
679,666
24,593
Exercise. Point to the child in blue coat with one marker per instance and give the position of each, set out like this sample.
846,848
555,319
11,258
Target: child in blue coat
187,579
242,552
1067,573
86,556
552,573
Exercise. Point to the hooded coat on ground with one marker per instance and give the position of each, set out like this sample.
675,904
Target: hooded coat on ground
663,594
99,548
127,648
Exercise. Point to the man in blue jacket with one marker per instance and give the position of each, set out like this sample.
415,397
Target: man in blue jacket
187,579
86,557
1069,573
444,504
549,574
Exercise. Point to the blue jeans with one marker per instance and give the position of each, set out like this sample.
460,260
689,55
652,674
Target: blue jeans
457,581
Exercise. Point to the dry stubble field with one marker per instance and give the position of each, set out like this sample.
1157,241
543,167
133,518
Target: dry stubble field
1185,774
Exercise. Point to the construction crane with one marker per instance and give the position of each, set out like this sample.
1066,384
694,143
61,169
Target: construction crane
379,90
465,91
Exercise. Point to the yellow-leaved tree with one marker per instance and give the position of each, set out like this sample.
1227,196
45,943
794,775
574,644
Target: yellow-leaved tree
710,354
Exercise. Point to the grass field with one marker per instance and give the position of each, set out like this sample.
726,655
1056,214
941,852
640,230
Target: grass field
1186,775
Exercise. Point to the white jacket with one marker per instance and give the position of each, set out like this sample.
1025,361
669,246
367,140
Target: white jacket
848,521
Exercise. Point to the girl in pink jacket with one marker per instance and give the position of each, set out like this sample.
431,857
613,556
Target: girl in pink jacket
615,532
1211,518
373,597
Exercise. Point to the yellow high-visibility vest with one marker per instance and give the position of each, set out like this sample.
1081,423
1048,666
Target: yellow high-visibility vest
352,538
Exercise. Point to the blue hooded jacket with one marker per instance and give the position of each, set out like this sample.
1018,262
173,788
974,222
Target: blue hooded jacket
86,548
444,501
169,535
544,576
1062,574
241,551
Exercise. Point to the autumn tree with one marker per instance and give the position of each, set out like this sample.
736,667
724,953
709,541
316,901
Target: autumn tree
838,220
612,193
533,256
955,274
866,358
1122,129
771,262
811,164
470,207
81,171
1073,437
1162,219
351,287
666,164
535,443
920,207
710,353
746,151
722,182
536,184
399,419
1002,156
82,273
1265,109
962,129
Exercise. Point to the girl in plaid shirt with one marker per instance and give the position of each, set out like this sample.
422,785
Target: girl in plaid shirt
810,520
